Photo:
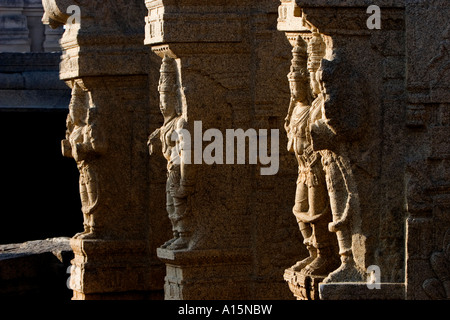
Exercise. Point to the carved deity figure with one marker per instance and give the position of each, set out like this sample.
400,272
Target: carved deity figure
170,135
312,207
83,143
342,189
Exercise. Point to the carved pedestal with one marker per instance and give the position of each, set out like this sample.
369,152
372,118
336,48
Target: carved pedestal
303,287
207,274
111,269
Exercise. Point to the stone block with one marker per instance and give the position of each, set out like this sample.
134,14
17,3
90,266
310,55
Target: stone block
35,270
207,274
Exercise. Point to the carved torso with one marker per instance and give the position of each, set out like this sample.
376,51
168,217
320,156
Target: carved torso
300,140
170,148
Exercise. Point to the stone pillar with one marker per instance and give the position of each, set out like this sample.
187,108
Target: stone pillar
33,11
52,37
354,95
108,68
222,65
14,29
427,175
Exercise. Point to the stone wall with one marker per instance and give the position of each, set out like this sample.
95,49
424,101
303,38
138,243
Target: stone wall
427,144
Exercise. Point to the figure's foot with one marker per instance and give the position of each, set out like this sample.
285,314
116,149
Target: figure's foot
347,272
168,243
179,244
303,263
81,234
321,266
88,235
78,235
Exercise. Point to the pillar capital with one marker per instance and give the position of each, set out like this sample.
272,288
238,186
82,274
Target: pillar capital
101,38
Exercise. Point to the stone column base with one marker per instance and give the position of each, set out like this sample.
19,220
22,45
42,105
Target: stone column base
361,291
107,269
207,274
311,288
302,286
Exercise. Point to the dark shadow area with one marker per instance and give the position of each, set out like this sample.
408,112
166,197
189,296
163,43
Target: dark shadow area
39,187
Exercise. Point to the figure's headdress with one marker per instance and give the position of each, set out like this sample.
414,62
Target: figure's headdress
299,71
168,78
79,100
316,52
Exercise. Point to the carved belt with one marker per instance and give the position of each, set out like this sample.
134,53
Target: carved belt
310,157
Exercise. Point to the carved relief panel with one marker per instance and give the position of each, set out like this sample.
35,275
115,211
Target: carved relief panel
180,176
338,124
85,143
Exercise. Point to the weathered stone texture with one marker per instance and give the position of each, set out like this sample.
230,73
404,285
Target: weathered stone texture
36,269
427,174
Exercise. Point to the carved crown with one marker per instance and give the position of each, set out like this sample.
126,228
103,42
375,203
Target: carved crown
168,77
299,70
316,51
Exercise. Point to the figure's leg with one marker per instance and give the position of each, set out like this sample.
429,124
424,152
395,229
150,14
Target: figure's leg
91,183
90,203
84,206
340,199
170,207
327,258
348,271
181,225
91,230
301,207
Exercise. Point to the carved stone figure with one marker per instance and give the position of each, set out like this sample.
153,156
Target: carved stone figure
170,135
83,143
312,206
342,189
